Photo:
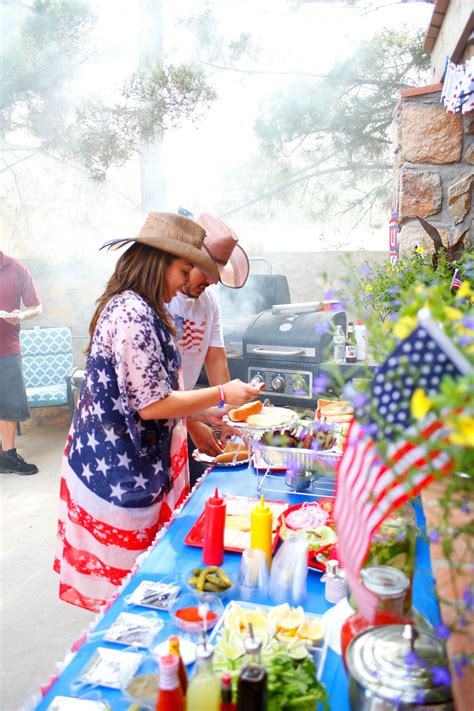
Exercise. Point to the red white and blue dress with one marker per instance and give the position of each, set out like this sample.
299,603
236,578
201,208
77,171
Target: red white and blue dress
121,476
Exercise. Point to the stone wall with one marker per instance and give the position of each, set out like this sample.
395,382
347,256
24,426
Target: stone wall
434,173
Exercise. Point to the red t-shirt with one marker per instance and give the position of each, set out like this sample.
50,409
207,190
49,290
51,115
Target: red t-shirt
16,285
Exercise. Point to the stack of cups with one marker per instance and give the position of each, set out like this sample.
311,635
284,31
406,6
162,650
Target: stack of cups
289,571
252,581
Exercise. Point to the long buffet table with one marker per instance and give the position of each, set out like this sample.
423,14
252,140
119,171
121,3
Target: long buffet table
171,558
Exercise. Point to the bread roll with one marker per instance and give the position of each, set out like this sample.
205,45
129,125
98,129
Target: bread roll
227,457
240,414
232,446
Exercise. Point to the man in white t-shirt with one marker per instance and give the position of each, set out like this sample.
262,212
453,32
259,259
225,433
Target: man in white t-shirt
198,320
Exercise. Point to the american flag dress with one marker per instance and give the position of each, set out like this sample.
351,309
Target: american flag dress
121,476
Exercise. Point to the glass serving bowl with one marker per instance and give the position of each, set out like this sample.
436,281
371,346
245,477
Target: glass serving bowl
194,613
223,594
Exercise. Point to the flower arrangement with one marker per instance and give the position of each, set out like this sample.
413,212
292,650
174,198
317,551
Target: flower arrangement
388,297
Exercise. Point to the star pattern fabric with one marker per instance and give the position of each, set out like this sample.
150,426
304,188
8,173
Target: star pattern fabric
121,475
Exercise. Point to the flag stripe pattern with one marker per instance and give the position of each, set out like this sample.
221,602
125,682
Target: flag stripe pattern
456,280
370,487
121,476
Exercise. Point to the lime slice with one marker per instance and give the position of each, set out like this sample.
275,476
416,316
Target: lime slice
232,649
297,652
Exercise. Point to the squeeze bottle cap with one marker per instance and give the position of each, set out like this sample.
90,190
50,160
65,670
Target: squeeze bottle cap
262,507
215,500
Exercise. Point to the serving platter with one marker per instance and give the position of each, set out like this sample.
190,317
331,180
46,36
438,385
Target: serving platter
317,649
317,554
237,530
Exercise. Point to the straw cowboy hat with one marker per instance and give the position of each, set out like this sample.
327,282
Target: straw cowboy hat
221,243
177,235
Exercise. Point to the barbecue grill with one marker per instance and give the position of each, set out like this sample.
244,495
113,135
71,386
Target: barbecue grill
284,346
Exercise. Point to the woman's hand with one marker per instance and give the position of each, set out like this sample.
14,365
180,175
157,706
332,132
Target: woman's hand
237,393
204,438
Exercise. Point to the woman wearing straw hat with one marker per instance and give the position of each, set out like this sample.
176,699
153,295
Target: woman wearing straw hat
125,466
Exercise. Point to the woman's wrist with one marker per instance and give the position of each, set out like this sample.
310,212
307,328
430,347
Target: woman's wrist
221,401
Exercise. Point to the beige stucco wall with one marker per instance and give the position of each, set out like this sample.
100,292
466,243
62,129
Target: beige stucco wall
69,289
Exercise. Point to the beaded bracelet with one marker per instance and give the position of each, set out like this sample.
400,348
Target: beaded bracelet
221,402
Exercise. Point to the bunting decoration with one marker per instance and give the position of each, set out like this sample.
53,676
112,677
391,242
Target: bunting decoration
458,87
393,233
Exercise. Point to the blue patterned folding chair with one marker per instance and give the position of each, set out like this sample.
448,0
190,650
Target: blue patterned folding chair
48,366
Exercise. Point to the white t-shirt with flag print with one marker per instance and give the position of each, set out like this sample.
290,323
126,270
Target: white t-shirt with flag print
198,327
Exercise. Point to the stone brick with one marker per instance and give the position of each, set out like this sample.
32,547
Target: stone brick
430,135
469,123
459,198
469,155
421,194
412,235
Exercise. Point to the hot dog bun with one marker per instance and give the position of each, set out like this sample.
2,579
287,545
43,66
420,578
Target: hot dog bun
240,414
227,457
270,419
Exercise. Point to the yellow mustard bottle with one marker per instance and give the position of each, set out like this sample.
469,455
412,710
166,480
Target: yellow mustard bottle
261,522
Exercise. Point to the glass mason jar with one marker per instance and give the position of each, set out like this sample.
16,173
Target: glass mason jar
390,586
393,544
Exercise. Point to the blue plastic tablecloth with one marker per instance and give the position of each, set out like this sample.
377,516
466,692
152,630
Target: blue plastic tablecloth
171,558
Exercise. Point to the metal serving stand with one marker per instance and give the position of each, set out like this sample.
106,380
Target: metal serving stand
318,466
323,477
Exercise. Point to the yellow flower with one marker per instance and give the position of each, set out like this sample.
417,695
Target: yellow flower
368,287
420,250
404,327
464,290
464,434
452,313
420,404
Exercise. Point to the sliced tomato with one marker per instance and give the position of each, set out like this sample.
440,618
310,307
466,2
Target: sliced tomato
327,503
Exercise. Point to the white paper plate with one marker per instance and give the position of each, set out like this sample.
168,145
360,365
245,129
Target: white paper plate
274,410
187,649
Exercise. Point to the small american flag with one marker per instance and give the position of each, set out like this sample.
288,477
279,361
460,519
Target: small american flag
369,487
456,280
189,334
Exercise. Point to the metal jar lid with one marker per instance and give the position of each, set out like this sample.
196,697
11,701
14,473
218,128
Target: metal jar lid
394,663
385,581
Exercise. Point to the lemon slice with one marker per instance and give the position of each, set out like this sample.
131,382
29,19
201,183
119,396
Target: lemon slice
310,629
277,613
233,618
292,620
258,618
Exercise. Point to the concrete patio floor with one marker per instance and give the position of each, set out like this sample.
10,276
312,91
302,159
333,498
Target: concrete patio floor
36,627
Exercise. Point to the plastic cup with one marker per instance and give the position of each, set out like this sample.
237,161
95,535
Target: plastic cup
290,571
252,580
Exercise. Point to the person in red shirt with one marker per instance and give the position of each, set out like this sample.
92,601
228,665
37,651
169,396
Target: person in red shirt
16,287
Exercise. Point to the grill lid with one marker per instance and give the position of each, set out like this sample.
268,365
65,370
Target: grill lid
298,336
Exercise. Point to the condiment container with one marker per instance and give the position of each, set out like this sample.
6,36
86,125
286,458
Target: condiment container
389,585
393,543
261,525
214,525
360,333
391,667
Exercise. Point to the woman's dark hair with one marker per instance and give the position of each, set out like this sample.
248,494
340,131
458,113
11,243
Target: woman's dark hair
140,269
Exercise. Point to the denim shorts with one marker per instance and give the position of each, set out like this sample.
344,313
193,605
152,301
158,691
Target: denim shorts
13,401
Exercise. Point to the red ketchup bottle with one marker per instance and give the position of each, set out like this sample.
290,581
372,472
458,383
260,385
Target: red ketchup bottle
214,525
170,693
